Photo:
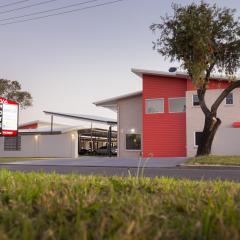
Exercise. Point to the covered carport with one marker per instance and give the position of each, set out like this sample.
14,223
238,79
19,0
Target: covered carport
94,138
94,135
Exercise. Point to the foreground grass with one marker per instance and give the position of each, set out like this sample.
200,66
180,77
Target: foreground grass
215,160
40,206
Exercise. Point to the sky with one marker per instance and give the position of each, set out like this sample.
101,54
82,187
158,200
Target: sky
69,61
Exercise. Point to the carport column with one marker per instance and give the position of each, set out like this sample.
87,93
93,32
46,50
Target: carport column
74,144
36,140
110,141
51,124
91,137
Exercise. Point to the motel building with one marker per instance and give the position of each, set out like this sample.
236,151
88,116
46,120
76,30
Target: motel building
165,119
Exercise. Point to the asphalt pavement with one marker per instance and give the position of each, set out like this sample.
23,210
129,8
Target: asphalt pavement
89,161
152,169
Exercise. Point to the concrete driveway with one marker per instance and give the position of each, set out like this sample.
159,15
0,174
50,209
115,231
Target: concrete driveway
106,162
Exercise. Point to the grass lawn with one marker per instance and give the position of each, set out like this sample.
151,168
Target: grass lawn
215,160
51,206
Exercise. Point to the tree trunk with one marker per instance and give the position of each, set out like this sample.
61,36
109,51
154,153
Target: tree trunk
210,128
211,121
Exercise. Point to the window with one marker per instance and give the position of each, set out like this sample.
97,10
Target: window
229,99
133,141
195,100
154,105
177,104
12,143
197,140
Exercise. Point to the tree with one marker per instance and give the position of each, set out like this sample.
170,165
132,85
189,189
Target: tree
12,90
204,39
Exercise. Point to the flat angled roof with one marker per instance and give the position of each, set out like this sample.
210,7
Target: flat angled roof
177,74
89,118
47,130
25,124
111,102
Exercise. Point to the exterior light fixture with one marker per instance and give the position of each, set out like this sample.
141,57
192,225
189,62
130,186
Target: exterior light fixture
132,130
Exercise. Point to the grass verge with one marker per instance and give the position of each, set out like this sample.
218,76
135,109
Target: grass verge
215,160
50,206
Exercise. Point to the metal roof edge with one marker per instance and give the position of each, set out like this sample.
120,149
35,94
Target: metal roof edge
83,117
139,72
178,74
128,95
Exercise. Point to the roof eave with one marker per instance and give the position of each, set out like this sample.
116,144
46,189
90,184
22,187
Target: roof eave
82,117
141,72
111,102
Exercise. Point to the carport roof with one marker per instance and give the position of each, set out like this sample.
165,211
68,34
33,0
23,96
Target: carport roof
47,130
89,118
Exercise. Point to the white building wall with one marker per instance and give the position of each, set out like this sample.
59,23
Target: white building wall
129,121
59,146
226,141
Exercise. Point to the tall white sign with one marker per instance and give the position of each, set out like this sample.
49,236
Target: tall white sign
8,117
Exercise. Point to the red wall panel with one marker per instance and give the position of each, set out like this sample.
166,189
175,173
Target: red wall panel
164,134
213,84
30,126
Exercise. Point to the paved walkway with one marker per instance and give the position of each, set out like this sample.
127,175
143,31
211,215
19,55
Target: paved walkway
106,162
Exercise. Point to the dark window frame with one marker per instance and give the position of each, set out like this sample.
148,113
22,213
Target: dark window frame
195,103
139,144
228,98
12,144
197,138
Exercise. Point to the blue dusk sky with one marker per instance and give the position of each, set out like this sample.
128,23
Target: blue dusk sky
69,61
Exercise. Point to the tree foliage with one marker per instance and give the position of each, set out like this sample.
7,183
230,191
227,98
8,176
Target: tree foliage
12,90
203,38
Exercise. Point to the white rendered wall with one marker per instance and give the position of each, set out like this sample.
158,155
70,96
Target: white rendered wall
227,139
129,121
59,146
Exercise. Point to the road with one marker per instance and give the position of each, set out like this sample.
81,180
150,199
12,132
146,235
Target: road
91,161
223,174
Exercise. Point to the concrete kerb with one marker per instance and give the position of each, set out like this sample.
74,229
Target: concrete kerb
209,166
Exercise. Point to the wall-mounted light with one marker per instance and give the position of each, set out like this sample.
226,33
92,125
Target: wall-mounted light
73,136
132,130
36,137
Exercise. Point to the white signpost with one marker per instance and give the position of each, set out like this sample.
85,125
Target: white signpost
8,117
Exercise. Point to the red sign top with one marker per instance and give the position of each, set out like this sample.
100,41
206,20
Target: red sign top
6,101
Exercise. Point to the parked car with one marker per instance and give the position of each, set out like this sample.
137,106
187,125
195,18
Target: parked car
104,151
84,151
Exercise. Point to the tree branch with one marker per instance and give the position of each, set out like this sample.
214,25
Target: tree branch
201,92
201,96
222,96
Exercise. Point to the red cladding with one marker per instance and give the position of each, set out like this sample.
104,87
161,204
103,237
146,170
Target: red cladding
164,134
214,84
29,126
236,124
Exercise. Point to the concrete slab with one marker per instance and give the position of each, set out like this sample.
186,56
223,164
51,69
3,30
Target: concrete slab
106,162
